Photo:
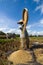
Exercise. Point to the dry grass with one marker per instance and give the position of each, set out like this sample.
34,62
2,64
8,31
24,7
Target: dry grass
39,55
14,45
20,56
23,56
36,39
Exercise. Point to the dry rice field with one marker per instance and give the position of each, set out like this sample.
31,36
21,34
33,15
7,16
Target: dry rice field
13,45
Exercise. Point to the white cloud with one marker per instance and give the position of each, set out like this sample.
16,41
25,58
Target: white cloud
28,27
4,29
33,32
39,24
17,30
40,33
41,21
37,1
30,31
1,29
6,24
40,7
1,20
11,30
14,30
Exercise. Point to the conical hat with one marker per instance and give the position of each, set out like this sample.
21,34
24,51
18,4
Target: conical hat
24,19
25,16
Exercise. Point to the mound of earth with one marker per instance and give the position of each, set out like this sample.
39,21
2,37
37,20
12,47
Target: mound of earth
20,57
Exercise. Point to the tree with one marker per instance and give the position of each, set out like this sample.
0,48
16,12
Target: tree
2,33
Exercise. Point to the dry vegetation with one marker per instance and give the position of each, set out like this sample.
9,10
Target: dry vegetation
20,56
39,55
36,39
7,45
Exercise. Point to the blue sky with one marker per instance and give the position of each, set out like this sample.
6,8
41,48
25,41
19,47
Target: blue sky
11,13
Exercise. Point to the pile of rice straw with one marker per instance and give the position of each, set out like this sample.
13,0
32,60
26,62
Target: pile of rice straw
20,56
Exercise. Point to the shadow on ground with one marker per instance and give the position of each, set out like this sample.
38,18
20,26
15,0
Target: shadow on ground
31,63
